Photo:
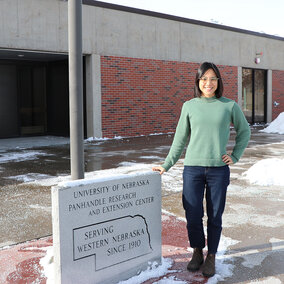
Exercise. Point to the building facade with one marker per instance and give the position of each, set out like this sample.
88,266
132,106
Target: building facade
139,68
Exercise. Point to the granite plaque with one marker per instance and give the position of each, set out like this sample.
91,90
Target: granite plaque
106,230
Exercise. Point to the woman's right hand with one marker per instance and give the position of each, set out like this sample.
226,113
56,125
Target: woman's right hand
159,169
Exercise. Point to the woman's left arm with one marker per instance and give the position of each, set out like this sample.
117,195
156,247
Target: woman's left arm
243,132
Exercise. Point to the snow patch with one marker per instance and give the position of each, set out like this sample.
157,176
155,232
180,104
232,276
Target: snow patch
151,157
252,217
224,269
253,258
269,280
48,265
266,172
94,139
154,270
106,175
6,245
29,177
155,134
66,181
172,180
276,126
276,244
39,207
21,156
127,164
91,139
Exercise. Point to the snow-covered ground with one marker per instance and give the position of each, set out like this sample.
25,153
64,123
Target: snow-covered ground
276,126
21,156
253,178
266,172
269,171
223,268
172,182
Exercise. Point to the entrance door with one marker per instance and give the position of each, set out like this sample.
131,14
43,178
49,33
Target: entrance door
8,102
58,98
254,95
31,89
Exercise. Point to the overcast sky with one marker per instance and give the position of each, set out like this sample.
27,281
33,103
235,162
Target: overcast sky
255,15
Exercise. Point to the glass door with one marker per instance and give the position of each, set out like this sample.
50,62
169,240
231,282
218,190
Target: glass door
259,96
254,95
31,82
247,96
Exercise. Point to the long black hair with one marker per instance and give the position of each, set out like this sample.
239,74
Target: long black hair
200,72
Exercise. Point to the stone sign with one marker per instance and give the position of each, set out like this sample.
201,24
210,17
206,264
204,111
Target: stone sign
106,230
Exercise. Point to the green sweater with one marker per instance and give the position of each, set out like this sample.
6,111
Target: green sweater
207,121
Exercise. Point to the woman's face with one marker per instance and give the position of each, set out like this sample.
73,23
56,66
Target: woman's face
208,83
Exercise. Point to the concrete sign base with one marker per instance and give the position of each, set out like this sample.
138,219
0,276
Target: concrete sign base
106,230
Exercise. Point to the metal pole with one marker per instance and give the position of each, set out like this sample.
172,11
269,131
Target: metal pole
76,88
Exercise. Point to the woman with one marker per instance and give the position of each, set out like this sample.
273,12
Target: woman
206,119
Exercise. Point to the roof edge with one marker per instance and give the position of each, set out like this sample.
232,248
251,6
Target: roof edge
176,18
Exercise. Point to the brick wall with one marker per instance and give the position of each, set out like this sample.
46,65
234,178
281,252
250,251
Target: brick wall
144,96
277,92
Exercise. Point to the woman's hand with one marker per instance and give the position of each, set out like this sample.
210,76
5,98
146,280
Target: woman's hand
227,159
159,169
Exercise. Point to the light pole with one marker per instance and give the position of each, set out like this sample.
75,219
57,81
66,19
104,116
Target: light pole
76,88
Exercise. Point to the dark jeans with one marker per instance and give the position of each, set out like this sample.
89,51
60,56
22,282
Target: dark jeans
195,180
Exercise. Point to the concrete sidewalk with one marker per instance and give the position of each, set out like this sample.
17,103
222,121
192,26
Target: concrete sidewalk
20,264
253,224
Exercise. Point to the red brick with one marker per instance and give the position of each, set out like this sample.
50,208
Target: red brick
152,91
277,92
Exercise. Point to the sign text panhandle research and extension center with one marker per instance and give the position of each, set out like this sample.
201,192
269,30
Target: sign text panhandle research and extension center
118,201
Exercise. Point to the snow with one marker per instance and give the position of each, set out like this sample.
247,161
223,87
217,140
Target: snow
94,139
154,134
39,207
22,143
266,172
21,156
97,139
269,280
224,269
151,157
65,180
48,265
276,126
29,177
153,270
102,177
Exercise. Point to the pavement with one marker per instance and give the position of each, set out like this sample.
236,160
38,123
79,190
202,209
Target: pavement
252,248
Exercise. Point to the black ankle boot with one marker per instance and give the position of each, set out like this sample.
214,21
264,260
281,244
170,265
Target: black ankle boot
208,268
196,261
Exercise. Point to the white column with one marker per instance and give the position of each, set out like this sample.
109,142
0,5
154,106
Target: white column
269,96
93,96
76,89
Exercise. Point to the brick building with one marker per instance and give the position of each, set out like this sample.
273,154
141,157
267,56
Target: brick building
139,68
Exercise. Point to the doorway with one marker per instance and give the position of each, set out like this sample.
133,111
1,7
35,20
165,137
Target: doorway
254,95
8,101
32,97
34,94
